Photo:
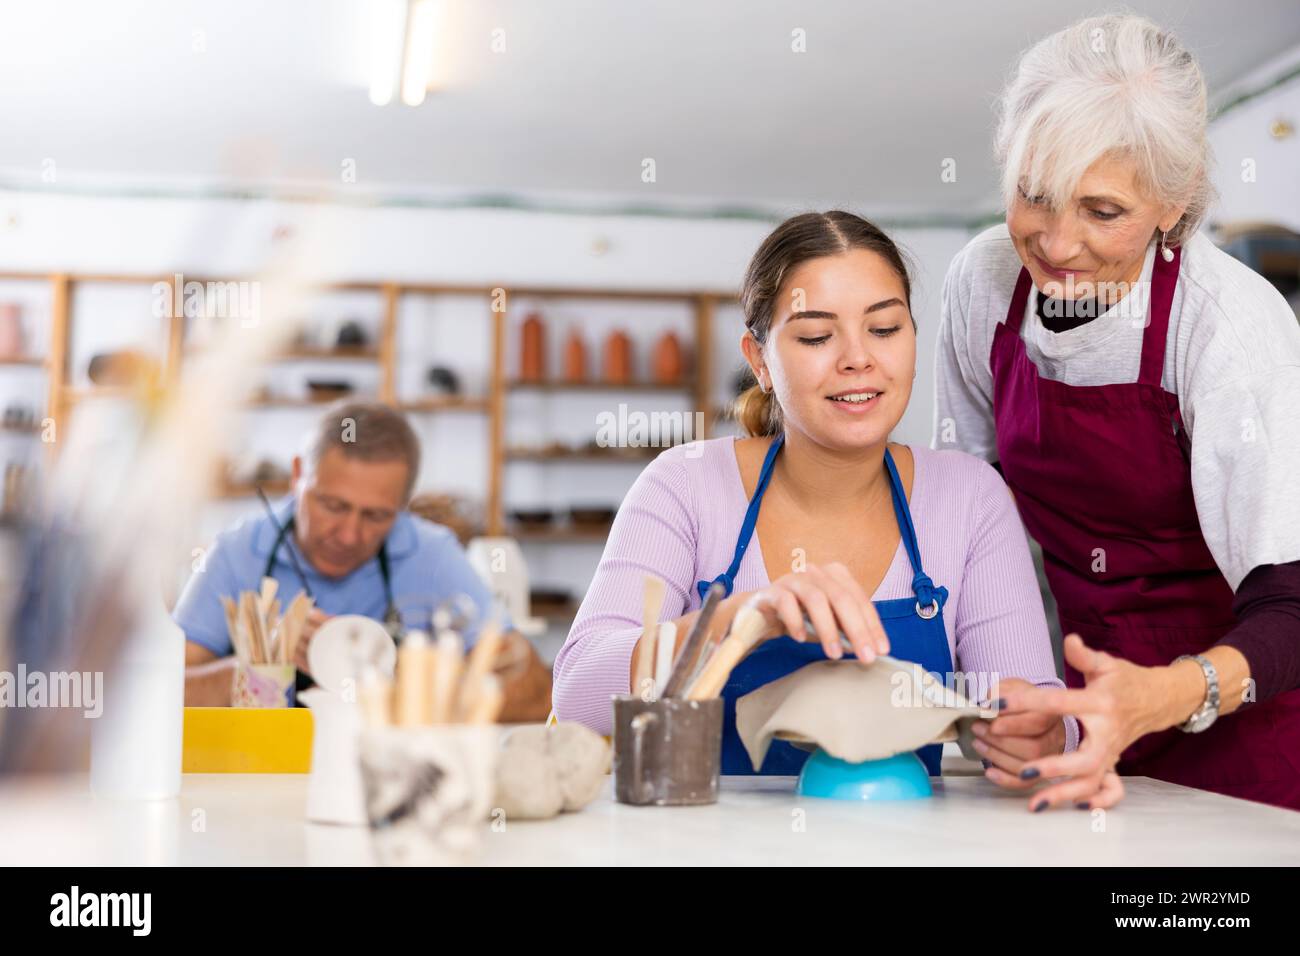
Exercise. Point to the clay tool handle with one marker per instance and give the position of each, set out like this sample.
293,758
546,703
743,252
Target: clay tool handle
450,653
694,641
375,695
487,702
665,644
412,680
746,629
651,604
481,658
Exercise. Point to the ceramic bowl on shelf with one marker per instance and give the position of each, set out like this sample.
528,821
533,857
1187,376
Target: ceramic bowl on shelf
322,390
443,380
549,600
532,517
589,516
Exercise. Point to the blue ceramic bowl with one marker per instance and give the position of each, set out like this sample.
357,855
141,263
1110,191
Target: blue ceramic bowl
900,777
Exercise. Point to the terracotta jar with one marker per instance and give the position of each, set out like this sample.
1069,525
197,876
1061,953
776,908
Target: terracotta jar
532,350
575,358
12,343
668,363
618,358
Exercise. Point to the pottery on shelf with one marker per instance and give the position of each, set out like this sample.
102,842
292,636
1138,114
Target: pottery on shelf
618,358
532,351
12,343
668,363
575,358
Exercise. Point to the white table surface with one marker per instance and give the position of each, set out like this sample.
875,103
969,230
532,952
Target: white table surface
258,819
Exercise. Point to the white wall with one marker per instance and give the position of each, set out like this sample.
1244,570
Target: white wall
1257,175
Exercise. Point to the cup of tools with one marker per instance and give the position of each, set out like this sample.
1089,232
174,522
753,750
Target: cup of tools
667,752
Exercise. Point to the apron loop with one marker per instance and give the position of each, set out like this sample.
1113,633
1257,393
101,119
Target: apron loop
728,585
923,587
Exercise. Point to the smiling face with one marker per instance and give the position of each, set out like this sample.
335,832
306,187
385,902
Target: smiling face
840,355
1098,241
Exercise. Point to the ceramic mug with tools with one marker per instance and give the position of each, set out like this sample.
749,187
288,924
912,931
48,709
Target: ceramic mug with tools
668,736
667,752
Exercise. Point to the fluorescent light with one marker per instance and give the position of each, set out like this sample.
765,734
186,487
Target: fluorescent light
388,43
421,34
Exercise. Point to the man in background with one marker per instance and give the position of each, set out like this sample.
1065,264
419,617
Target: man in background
359,549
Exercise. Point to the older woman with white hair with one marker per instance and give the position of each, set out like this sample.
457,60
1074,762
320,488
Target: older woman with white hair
1140,391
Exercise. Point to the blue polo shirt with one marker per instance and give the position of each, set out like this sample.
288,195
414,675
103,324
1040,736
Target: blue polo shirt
426,563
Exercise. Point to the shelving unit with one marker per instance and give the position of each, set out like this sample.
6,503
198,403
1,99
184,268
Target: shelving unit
493,406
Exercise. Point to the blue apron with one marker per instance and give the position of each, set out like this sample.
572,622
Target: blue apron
914,625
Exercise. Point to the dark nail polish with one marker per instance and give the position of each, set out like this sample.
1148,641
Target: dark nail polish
1083,805
1029,773
1041,807
1000,704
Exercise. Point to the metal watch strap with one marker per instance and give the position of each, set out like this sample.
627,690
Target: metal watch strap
1208,712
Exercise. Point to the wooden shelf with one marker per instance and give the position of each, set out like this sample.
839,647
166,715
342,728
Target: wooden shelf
495,406
617,455
78,393
272,489
556,612
305,402
523,385
446,403
361,354
564,534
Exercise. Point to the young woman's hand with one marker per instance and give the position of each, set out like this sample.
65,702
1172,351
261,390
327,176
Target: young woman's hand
834,602
1015,737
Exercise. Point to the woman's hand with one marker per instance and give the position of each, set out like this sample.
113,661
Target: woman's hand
1014,738
1114,708
833,601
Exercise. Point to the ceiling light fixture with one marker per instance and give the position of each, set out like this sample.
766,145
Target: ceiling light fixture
402,46
421,34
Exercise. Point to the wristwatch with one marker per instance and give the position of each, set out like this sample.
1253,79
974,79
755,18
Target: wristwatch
1209,710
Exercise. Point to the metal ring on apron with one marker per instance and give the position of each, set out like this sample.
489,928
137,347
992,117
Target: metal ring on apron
928,612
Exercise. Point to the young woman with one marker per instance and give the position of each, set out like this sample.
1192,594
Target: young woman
908,551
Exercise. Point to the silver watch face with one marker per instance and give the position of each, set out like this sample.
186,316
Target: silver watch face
1200,720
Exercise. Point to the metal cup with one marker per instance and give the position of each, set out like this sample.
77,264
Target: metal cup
667,752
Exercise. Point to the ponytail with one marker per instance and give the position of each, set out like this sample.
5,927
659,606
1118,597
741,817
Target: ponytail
758,412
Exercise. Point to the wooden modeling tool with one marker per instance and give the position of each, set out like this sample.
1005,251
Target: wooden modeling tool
746,629
651,603
682,669
665,645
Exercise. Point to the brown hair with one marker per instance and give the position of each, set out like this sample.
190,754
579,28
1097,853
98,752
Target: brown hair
369,431
811,235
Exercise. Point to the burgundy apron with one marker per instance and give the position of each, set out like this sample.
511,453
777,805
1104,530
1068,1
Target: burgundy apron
1102,478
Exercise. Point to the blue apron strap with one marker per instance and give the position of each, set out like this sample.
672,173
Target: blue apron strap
921,583
728,578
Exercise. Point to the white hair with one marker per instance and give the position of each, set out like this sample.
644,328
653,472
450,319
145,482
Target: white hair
1115,84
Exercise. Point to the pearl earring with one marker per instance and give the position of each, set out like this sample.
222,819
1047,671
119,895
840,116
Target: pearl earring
1165,252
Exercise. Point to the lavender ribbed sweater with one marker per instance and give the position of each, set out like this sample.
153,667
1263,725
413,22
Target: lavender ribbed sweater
680,521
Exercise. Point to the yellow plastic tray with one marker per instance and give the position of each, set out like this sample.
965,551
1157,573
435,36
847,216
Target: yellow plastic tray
247,740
